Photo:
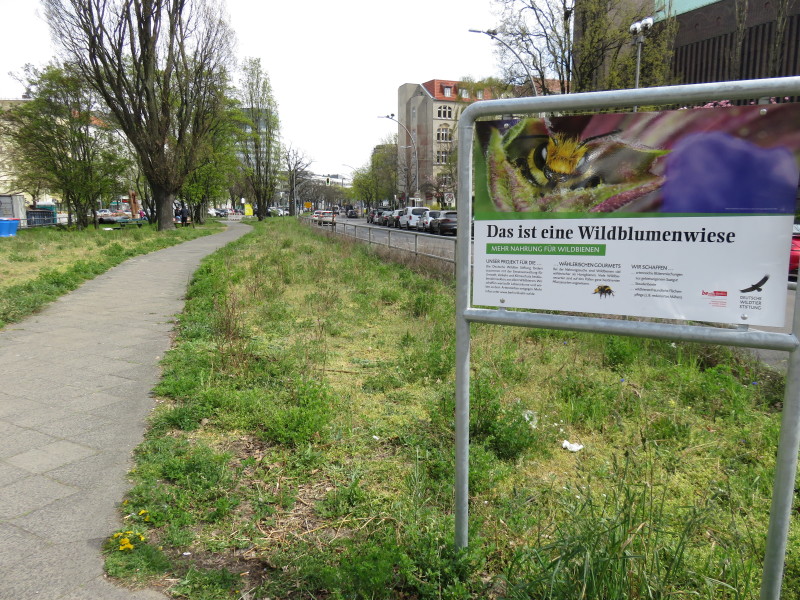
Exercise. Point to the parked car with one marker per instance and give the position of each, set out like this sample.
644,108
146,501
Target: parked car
794,256
326,217
394,220
385,217
424,222
410,215
315,215
446,222
374,216
352,214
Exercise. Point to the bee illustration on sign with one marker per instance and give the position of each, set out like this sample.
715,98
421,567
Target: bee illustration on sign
603,290
552,166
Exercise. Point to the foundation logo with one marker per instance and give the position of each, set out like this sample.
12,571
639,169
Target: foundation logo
756,287
716,294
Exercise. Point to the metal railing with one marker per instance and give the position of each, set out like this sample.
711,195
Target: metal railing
421,244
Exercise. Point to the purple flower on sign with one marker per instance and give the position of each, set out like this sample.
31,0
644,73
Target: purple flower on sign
719,173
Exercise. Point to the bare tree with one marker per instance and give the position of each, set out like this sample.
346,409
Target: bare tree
161,67
735,58
296,164
577,46
776,49
259,147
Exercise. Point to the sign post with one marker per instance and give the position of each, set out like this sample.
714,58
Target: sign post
635,214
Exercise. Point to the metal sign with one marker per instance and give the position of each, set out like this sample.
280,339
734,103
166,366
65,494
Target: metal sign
789,443
639,214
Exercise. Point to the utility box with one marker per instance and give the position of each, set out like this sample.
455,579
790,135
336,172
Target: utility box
44,214
12,207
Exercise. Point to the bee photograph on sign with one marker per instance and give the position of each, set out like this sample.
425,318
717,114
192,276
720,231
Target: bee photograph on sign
731,160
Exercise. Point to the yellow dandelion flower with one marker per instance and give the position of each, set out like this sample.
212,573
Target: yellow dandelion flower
124,547
142,512
118,534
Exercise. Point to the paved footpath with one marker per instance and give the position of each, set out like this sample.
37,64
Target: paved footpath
75,382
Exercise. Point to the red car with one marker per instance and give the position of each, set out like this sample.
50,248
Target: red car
794,255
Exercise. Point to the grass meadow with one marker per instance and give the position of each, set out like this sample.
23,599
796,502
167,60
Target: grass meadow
302,447
40,264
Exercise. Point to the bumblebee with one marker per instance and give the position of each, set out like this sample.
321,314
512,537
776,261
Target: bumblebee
557,156
563,164
603,290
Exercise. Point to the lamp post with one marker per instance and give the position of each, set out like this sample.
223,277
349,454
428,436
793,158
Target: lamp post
639,29
413,145
492,33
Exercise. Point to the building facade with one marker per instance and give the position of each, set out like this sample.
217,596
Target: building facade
427,116
721,40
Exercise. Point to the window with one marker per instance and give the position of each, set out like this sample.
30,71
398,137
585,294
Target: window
464,93
444,134
445,112
442,156
479,94
447,91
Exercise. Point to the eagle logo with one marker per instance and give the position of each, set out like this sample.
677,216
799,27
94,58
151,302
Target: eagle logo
756,287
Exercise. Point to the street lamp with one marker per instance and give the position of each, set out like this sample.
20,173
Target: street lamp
492,33
638,30
414,146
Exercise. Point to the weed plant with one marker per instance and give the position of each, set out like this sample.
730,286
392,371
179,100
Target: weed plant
303,447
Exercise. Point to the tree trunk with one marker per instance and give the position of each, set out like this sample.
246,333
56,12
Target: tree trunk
165,213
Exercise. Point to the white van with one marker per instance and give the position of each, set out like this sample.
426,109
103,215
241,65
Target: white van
410,216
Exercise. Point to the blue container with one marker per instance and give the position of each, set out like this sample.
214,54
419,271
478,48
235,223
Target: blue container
8,227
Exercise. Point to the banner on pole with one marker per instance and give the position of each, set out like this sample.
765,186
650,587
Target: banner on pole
679,214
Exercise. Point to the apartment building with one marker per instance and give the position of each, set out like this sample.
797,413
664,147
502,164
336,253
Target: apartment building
427,116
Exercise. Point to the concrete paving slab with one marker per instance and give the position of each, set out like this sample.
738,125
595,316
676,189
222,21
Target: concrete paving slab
48,523
29,494
23,440
9,475
67,432
49,457
17,545
100,587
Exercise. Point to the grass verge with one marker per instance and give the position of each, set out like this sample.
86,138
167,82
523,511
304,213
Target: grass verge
40,264
303,447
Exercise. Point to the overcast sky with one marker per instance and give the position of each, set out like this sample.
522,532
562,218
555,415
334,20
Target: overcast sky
334,66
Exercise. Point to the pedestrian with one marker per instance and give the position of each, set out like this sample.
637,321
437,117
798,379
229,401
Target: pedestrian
184,216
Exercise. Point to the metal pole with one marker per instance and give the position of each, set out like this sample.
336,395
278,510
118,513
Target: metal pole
639,43
413,145
463,289
785,472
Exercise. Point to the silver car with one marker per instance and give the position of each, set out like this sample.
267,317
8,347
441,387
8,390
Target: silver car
424,223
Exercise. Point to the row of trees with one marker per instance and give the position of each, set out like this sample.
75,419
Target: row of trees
143,101
377,181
